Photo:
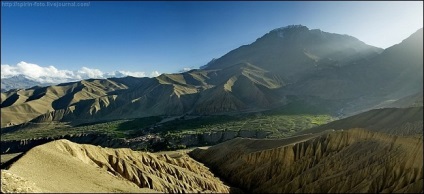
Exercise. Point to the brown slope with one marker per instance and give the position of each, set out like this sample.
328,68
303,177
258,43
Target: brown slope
15,97
63,166
239,87
398,121
156,96
82,110
35,102
355,161
167,94
414,100
218,100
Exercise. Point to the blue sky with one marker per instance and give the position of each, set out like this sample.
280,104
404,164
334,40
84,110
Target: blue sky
169,36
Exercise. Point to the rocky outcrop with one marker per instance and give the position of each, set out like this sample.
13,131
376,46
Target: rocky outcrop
12,183
355,160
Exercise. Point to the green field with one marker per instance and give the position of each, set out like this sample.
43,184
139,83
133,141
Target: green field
279,125
117,129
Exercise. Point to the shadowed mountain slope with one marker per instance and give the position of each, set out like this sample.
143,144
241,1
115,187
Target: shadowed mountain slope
295,50
397,121
395,73
414,100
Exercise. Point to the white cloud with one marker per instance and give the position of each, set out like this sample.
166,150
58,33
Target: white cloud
8,71
154,74
86,72
124,74
35,72
51,74
128,73
185,69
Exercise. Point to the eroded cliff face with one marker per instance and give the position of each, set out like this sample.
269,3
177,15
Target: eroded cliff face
355,160
160,173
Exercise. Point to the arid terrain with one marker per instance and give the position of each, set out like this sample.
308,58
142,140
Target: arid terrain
349,161
63,166
343,160
299,110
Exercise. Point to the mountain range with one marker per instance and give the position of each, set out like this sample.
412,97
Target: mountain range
296,111
19,82
339,73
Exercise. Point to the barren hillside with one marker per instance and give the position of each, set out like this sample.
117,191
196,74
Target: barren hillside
354,160
64,166
397,121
